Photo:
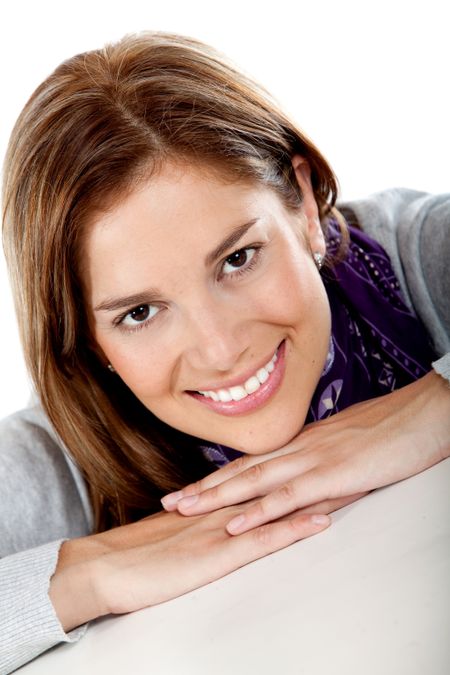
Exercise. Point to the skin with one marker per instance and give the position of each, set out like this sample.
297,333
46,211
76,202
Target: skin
288,490
159,558
334,461
208,328
203,325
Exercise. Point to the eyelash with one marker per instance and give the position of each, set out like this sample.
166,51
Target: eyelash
247,267
240,272
119,321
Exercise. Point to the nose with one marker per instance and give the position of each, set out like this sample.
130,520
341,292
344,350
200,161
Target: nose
216,337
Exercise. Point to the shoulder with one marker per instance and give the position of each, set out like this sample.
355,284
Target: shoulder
42,494
414,228
28,443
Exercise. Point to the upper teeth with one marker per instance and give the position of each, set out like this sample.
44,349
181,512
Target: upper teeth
241,391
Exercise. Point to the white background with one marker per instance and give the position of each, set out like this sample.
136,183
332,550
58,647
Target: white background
368,82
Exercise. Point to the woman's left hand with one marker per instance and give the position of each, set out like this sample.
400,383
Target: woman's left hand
333,462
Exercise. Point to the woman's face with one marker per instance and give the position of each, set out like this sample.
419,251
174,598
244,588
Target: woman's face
204,296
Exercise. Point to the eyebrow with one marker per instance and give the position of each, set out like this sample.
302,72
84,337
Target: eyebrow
232,239
151,294
134,300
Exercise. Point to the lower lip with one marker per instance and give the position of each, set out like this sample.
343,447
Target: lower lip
252,401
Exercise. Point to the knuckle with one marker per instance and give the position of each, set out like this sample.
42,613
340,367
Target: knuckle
287,492
263,535
238,465
193,488
212,493
259,512
255,473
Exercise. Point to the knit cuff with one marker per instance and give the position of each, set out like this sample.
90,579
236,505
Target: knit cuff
28,622
442,366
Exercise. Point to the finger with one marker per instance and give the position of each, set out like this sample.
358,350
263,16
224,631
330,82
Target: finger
257,480
223,474
330,505
232,469
223,554
322,508
293,495
272,537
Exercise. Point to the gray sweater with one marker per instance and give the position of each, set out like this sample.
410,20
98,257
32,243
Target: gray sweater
44,499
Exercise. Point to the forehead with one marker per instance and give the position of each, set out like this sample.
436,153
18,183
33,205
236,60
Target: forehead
179,202
158,229
188,190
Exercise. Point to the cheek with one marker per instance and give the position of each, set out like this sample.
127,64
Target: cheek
143,367
295,296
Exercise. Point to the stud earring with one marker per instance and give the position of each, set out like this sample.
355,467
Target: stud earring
111,368
318,259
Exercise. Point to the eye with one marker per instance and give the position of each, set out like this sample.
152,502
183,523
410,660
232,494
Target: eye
238,260
139,315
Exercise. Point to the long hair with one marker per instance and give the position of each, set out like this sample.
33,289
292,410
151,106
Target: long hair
103,121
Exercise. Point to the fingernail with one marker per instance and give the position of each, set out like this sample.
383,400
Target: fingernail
186,502
171,499
320,520
235,525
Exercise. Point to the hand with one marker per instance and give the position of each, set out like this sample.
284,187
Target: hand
159,558
332,462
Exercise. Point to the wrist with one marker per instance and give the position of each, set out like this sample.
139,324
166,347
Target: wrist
432,414
441,403
442,367
74,587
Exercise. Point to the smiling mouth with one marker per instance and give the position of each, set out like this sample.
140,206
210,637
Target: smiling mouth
250,394
239,392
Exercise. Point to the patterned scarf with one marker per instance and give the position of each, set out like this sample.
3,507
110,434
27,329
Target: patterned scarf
377,343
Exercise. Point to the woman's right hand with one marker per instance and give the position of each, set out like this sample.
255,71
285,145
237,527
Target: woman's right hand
159,558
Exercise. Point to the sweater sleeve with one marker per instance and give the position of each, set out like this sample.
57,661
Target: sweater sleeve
44,502
28,623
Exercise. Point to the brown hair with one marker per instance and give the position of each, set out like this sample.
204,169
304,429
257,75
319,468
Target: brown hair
98,124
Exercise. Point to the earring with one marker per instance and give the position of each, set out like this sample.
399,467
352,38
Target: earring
111,368
318,259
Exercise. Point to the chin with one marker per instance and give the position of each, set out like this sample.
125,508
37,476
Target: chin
269,433
267,443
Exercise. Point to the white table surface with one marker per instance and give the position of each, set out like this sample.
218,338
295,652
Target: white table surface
370,596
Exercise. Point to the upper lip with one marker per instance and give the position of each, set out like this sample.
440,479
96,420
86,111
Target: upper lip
239,379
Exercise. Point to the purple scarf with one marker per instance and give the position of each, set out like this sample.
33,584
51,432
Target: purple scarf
377,343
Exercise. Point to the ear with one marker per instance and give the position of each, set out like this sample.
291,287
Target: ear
310,209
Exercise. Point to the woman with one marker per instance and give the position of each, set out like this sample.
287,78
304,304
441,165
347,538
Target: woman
186,293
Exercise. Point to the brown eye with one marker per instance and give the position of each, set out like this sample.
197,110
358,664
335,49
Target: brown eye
139,316
238,260
140,313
